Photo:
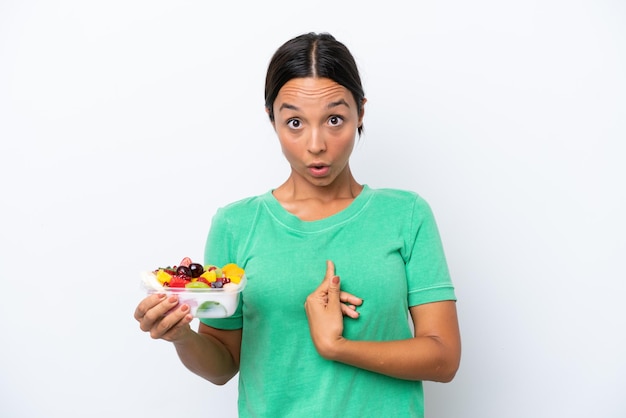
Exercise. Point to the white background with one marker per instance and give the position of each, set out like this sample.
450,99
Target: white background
125,124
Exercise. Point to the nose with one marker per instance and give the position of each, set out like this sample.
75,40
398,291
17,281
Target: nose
316,143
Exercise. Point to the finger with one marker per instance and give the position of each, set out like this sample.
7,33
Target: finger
330,270
349,311
334,290
174,332
322,290
157,312
351,299
171,324
146,304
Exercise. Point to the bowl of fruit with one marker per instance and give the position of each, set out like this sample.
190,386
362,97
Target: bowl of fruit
210,291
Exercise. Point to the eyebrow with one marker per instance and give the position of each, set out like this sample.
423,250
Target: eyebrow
338,103
330,105
287,106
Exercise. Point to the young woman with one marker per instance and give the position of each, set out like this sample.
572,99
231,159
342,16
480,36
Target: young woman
335,268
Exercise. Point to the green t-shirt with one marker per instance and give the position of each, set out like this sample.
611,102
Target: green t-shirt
386,249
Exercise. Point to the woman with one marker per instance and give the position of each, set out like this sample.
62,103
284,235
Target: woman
334,268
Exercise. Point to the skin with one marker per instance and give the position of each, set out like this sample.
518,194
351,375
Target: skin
316,122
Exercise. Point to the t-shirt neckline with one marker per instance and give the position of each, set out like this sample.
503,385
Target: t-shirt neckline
293,222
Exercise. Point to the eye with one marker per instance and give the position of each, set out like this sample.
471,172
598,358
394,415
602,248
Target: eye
294,123
335,120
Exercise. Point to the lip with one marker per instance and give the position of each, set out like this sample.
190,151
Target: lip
318,169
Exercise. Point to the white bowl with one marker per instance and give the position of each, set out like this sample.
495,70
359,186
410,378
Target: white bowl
202,302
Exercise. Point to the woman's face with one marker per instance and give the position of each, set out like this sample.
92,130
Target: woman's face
316,120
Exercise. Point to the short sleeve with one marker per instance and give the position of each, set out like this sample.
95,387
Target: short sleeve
427,271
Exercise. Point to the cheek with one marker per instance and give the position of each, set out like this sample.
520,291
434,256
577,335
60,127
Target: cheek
288,148
288,140
346,141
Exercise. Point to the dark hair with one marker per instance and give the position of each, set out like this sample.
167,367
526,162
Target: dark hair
313,55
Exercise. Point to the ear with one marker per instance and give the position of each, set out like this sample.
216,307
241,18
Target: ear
267,110
362,111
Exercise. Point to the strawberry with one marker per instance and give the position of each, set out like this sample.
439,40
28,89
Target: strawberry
186,262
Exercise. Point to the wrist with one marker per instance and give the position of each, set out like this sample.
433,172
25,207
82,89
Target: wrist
184,337
333,350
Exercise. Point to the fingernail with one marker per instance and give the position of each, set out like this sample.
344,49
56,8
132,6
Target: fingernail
335,279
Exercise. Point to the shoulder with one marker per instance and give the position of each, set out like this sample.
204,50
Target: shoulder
241,209
404,206
401,197
245,203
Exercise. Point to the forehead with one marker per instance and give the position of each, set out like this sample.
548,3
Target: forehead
312,90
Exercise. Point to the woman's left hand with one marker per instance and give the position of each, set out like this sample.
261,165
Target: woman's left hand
325,308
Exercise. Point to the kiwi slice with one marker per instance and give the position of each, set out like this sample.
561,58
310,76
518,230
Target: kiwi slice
211,308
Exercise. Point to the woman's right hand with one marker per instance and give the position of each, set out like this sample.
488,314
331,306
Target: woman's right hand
162,317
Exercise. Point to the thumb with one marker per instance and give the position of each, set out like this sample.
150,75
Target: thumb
330,270
333,282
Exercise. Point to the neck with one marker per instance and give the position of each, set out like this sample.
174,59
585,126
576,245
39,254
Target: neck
343,187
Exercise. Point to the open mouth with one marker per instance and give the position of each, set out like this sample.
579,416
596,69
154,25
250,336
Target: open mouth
318,170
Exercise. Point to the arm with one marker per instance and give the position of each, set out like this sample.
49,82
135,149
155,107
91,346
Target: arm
210,353
432,354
